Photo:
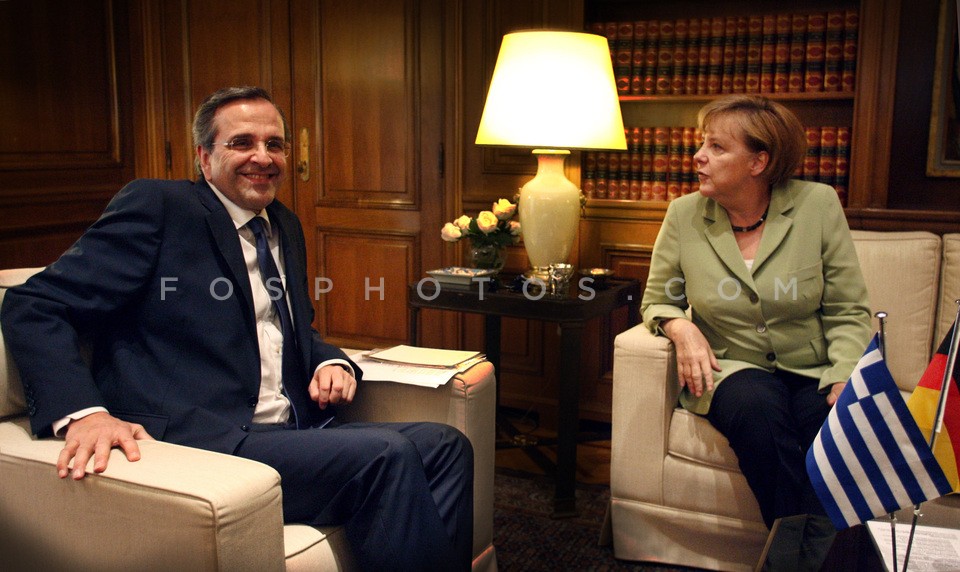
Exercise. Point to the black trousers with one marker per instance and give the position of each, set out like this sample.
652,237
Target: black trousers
404,491
771,419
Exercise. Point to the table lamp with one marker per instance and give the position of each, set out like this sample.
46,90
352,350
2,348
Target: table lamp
552,91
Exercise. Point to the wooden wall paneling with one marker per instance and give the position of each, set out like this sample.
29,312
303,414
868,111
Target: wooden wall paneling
871,148
525,350
358,250
367,275
248,45
369,103
618,235
178,105
60,95
624,246
147,84
909,186
628,260
442,329
596,393
305,119
377,172
67,139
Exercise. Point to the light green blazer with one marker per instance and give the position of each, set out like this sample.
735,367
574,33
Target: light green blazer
801,308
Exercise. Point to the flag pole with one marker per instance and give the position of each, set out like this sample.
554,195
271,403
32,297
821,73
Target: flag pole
938,419
881,339
947,375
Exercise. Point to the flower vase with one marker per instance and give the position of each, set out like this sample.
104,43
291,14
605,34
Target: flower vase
488,257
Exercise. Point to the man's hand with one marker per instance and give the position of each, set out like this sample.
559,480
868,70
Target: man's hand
95,435
835,390
695,360
332,384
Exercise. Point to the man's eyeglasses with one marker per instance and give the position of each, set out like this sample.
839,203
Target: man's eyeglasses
275,146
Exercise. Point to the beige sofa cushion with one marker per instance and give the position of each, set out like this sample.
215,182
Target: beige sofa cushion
172,507
703,471
902,271
949,286
11,391
692,437
323,548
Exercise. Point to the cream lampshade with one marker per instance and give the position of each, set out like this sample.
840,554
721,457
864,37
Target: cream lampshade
552,91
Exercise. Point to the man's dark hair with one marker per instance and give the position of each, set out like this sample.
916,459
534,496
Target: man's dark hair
204,131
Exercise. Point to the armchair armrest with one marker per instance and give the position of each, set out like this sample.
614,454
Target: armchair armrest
467,402
188,508
645,394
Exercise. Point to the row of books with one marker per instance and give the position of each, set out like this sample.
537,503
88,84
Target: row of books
772,53
658,164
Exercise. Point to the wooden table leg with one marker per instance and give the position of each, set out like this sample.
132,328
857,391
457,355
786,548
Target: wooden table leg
565,499
412,332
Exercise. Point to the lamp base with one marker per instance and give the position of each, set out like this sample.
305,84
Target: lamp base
549,212
541,273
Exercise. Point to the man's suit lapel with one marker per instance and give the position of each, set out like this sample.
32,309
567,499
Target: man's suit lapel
224,234
296,276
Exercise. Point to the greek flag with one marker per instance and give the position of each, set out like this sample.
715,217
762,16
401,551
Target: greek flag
870,458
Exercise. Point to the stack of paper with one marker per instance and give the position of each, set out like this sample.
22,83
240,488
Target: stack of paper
934,548
427,367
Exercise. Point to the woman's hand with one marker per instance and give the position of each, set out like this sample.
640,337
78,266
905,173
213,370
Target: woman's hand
695,360
835,390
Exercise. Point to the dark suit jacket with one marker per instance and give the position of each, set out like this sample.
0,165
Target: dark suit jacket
160,287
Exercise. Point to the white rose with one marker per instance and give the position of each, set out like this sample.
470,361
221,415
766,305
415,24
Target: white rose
450,232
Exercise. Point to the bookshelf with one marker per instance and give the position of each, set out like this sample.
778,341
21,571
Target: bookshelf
670,61
619,233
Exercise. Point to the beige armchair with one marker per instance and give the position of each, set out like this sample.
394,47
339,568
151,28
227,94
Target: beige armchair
677,494
180,508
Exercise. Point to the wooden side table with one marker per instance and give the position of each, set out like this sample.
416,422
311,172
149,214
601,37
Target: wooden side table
571,312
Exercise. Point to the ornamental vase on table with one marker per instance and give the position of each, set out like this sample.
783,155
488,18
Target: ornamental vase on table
488,257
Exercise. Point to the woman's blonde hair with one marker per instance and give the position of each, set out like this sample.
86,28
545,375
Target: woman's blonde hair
766,126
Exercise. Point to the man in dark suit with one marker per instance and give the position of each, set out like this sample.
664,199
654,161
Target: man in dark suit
200,339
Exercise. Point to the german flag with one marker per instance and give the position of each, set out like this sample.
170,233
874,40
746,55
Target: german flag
925,401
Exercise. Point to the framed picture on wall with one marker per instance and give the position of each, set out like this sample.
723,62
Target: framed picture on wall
943,150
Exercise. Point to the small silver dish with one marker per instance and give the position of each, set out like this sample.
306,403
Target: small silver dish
596,272
599,276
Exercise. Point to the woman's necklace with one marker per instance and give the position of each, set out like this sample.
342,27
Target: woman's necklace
753,226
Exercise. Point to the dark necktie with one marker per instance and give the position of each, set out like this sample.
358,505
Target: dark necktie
271,279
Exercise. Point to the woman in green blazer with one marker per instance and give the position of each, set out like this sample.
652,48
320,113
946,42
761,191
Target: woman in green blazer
755,280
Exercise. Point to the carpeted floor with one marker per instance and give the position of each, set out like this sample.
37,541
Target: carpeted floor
528,539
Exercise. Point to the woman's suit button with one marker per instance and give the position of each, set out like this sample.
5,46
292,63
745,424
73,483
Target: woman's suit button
244,428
